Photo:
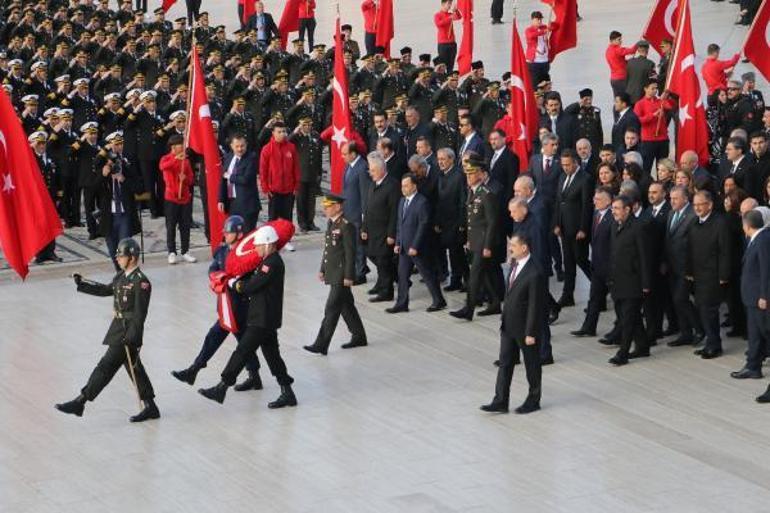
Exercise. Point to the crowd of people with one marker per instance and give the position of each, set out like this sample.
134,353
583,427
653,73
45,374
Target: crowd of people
430,183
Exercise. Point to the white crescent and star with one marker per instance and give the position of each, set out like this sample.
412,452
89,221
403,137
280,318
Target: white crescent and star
668,17
241,250
339,136
8,186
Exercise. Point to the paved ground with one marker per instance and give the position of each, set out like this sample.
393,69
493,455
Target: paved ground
392,427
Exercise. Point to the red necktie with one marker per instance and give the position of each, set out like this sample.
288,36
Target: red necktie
512,276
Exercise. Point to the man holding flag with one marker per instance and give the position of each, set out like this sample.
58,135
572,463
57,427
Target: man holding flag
444,20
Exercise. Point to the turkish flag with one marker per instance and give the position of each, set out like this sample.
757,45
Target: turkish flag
465,54
684,82
384,23
340,114
564,35
662,23
168,3
757,46
28,218
248,11
200,139
520,123
289,20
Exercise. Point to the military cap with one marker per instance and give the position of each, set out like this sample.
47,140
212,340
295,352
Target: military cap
221,28
38,136
89,127
493,86
111,96
114,137
134,92
53,112
148,95
38,64
298,41
319,46
15,63
424,57
332,199
345,27
406,50
240,100
65,113
306,119
401,97
367,57
159,10
425,72
177,114
30,98
80,81
470,167
584,93
440,108
181,19
477,65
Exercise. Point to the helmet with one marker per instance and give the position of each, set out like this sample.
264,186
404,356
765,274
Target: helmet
128,247
234,224
265,235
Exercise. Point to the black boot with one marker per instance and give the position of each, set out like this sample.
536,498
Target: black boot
73,407
253,382
149,412
286,398
187,375
216,393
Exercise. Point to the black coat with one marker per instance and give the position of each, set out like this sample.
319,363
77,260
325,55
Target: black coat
629,267
265,291
708,261
413,226
566,128
619,127
675,244
525,303
573,207
244,178
600,246
380,216
755,276
532,228
125,191
546,183
505,171
656,234
450,210
149,134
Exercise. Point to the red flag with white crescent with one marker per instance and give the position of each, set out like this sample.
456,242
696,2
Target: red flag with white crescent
166,5
564,17
662,23
757,45
289,20
684,82
341,124
465,53
385,26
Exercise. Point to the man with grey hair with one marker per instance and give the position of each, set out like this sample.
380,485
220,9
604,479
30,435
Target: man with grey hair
588,161
688,161
635,157
545,170
449,222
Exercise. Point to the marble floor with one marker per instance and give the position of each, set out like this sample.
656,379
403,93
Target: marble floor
393,427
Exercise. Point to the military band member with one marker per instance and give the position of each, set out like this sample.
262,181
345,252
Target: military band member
338,271
130,290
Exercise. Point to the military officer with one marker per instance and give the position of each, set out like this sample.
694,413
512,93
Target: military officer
489,109
444,133
309,149
589,120
47,167
131,300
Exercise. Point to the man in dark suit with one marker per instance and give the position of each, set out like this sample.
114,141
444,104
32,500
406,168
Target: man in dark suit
629,280
355,189
412,248
520,328
708,268
572,222
625,118
760,167
678,224
263,23
545,170
378,230
393,159
415,128
736,162
640,70
382,130
755,290
503,164
601,227
470,139
659,299
588,159
449,221
559,122
238,193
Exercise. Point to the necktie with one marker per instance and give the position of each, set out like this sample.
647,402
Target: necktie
547,166
734,169
406,206
567,182
597,220
553,125
675,219
494,160
512,276
230,185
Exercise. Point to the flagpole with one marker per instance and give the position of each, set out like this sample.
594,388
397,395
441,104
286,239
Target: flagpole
751,27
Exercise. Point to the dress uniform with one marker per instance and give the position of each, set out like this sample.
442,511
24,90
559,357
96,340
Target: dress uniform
338,271
149,135
309,149
130,290
84,154
489,109
60,143
588,122
50,176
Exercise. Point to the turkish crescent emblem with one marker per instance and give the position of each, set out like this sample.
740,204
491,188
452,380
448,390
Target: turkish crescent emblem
767,35
204,111
2,141
341,94
241,249
668,17
687,62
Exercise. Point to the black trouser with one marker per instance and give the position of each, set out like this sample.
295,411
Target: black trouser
482,277
629,316
422,262
555,248
386,274
496,11
618,87
709,318
203,189
759,337
735,307
214,339
509,357
653,151
154,184
686,314
120,228
193,11
254,338
457,261
597,297
340,302
47,253
654,306
539,71
141,4
307,25
70,204
108,366
306,204
370,42
575,255
447,52
240,15
178,215
91,204
280,206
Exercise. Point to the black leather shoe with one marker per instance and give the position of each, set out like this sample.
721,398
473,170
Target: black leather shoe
215,393
494,408
734,334
287,398
553,316
452,287
373,291
566,301
381,299
354,343
253,382
548,360
638,354
315,349
618,361
671,330
74,407
493,310
463,313
359,281
710,354
187,375
764,398
607,342
559,275
681,341
527,407
397,309
437,307
496,363
746,373
313,228
582,333
56,258
149,412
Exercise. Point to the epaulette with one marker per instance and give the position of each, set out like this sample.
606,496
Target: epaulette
65,102
53,137
102,153
121,111
131,117
28,81
101,112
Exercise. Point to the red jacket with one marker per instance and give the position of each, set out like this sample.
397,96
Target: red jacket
445,25
532,34
713,71
616,58
279,168
654,128
172,169
370,16
306,9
